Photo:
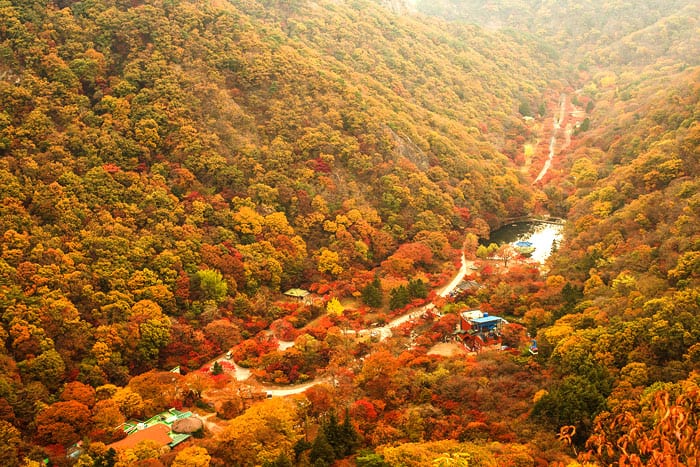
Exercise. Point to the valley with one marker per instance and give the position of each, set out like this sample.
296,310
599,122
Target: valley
264,233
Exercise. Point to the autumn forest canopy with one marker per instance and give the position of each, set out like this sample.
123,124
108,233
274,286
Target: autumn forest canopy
186,184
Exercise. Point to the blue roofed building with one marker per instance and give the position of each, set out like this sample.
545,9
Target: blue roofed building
476,328
487,323
476,321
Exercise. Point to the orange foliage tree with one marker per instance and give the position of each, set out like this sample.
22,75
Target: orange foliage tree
668,434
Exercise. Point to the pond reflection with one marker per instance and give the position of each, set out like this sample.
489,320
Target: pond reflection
543,236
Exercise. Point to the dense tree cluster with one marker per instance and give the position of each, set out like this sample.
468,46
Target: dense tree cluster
168,167
631,249
586,32
617,319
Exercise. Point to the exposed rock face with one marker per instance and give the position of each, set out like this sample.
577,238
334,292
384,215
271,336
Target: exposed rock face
398,7
188,425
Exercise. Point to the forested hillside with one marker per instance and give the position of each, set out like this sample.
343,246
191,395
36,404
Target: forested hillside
633,249
624,338
587,32
169,167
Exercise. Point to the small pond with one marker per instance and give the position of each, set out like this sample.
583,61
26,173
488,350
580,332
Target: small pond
542,235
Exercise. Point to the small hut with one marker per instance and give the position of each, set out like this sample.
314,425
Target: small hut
299,294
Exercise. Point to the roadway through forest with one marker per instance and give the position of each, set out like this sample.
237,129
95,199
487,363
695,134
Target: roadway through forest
383,332
557,121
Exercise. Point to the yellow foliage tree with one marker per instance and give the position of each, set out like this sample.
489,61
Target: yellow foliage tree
143,451
264,432
329,262
248,222
130,403
192,456
334,307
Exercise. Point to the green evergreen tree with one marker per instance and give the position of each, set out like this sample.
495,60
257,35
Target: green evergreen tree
570,295
299,448
399,297
281,461
322,453
372,294
344,439
417,288
575,401
585,124
217,369
334,434
525,109
351,438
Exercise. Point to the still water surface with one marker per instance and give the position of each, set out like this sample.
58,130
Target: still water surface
542,235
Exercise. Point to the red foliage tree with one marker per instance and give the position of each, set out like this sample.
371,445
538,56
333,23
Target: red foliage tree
62,423
77,391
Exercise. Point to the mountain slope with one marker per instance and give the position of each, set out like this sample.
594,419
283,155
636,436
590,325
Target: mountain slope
584,30
167,164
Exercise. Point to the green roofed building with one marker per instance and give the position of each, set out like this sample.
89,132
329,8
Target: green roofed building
158,428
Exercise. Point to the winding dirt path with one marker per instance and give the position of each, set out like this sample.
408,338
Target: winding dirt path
463,271
294,389
242,374
557,120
